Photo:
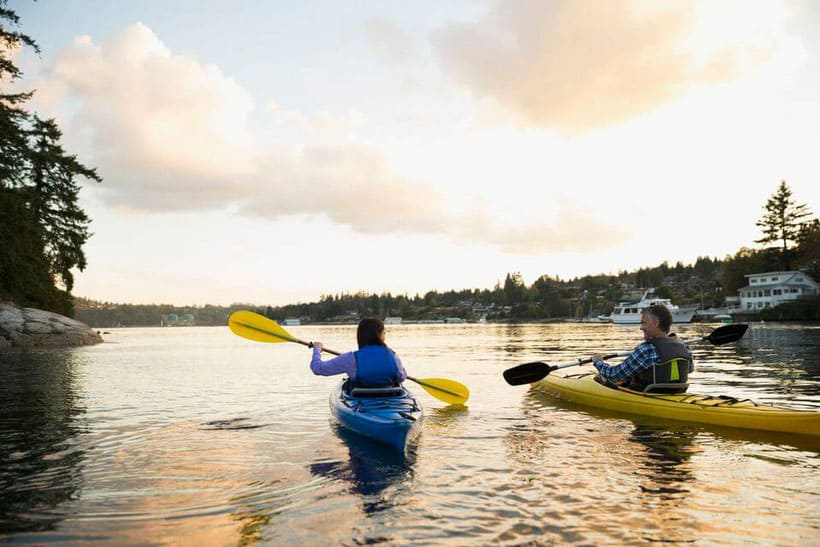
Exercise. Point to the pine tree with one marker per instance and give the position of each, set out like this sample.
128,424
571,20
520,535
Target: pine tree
43,228
53,178
782,221
13,143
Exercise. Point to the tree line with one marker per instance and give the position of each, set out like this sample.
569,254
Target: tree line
791,240
42,227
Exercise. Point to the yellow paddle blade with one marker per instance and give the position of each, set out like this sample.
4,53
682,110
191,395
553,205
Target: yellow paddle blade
253,326
449,391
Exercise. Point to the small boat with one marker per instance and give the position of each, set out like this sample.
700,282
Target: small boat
585,389
627,313
389,415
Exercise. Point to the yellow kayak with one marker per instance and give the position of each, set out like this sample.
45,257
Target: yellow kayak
584,389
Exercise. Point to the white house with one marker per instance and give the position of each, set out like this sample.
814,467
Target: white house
768,289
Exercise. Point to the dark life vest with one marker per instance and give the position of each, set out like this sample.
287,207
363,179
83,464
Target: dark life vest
674,366
376,367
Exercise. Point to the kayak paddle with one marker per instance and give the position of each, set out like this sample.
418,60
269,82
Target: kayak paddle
532,372
259,328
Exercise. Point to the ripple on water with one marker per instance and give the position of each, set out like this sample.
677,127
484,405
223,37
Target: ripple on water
192,436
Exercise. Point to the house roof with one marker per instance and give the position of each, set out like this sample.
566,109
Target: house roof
773,273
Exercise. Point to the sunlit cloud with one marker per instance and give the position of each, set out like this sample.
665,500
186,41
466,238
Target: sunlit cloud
576,66
164,130
169,133
565,231
349,186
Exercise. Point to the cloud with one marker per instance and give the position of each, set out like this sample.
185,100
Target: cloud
350,186
169,133
569,231
163,129
389,41
575,66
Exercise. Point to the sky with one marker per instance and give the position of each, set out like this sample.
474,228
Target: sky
275,152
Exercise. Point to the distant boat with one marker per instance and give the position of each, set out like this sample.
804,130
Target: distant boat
392,320
627,313
604,319
292,322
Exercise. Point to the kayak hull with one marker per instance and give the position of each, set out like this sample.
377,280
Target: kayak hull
585,390
393,419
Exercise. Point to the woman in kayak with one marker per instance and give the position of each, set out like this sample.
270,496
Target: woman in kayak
373,365
662,363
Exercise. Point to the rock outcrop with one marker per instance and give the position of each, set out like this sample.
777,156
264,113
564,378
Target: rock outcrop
30,327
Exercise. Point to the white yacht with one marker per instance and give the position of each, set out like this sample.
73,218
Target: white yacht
629,313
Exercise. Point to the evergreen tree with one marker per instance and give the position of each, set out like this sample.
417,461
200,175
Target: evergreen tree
53,175
43,228
782,221
13,141
808,248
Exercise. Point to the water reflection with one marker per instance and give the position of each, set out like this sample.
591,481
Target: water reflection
783,364
370,468
448,417
666,453
40,425
156,438
566,460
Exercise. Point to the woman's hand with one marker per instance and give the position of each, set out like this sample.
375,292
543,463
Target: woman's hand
317,345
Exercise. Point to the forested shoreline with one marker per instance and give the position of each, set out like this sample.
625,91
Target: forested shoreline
704,284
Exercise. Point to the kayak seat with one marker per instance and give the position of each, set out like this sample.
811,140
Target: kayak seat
675,387
365,392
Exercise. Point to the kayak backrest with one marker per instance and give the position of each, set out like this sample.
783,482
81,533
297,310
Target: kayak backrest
368,392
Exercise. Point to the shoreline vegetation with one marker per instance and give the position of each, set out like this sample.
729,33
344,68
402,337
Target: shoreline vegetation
703,285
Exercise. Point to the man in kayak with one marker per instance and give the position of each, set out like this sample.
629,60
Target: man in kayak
661,364
373,365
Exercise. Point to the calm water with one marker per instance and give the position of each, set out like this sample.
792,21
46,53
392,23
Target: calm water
194,436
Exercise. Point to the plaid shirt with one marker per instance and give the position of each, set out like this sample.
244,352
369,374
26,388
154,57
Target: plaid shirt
643,357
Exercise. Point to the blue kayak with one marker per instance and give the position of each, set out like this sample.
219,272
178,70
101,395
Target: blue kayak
390,415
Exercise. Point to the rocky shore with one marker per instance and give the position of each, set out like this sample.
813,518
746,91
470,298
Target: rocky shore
30,327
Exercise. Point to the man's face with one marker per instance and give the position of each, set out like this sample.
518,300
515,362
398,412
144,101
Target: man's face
649,326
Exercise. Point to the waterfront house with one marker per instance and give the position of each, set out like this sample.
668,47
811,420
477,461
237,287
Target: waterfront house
769,289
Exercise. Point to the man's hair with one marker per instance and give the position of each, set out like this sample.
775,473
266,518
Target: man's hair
662,314
367,334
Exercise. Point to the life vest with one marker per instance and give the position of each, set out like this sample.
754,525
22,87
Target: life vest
376,367
673,368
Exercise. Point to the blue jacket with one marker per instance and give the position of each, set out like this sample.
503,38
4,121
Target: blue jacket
376,367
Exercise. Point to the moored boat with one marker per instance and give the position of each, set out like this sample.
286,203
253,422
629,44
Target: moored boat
390,415
585,389
629,313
